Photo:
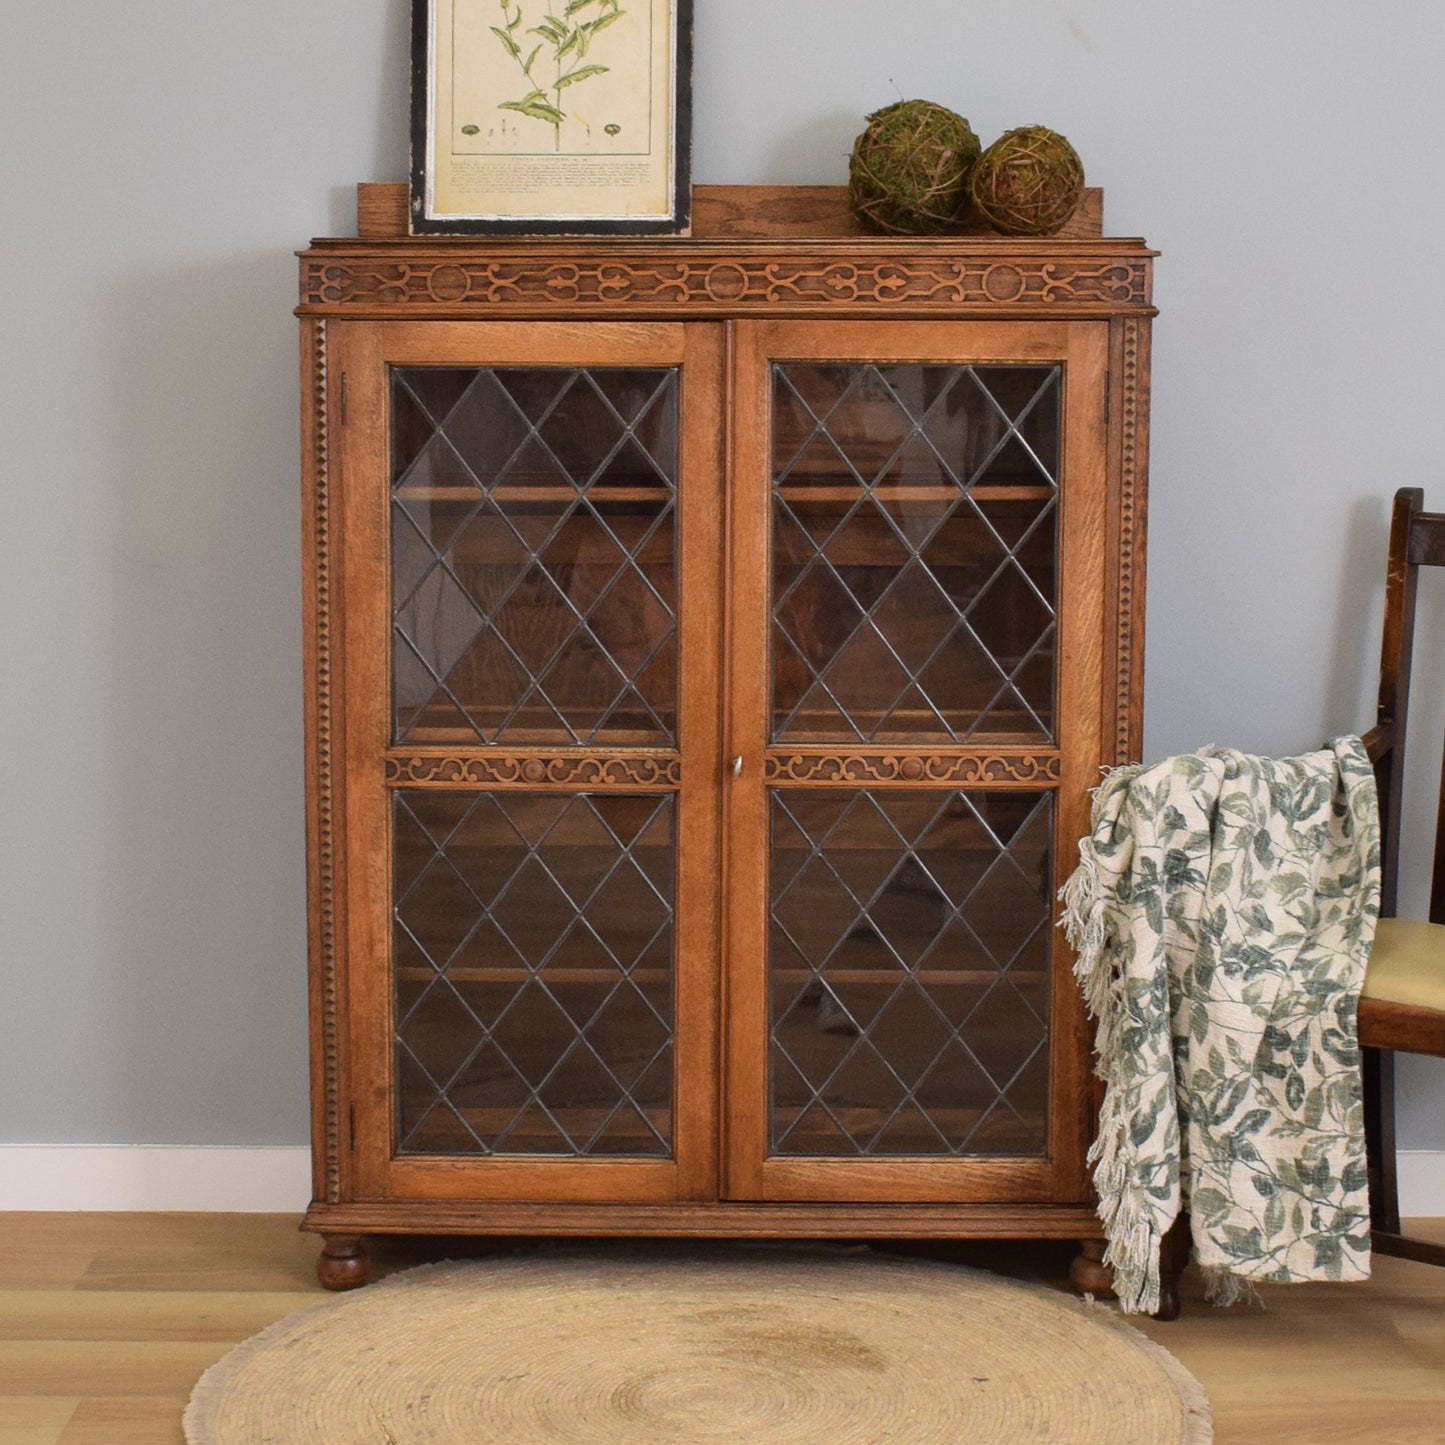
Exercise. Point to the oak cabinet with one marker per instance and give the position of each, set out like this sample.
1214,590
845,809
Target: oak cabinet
711,643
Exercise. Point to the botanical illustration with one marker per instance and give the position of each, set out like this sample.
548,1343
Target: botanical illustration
557,60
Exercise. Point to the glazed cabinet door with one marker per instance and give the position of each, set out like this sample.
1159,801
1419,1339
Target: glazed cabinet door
530,543
917,534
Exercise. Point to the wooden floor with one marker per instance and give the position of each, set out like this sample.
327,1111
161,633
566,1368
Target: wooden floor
107,1320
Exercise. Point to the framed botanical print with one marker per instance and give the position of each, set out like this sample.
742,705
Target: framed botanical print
551,116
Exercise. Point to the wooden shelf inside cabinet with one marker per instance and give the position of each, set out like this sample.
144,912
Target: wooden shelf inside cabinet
594,496
929,977
518,734
467,1124
914,727
562,976
558,976
794,492
864,1122
711,644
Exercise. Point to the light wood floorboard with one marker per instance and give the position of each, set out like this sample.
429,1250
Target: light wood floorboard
106,1322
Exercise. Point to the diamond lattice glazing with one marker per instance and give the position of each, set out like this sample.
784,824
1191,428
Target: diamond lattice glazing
533,957
914,543
908,972
532,549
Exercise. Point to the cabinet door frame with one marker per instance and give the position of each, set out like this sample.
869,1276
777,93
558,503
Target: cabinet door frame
1082,712
360,356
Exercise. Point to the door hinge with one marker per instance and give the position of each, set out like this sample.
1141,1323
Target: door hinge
351,1124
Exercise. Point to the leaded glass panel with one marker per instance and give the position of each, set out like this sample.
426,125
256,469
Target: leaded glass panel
533,555
533,972
908,972
915,512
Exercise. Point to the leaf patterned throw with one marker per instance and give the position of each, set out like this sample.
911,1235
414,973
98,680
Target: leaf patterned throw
1223,910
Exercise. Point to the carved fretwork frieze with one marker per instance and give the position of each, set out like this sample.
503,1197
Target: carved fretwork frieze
921,282
1000,769
532,770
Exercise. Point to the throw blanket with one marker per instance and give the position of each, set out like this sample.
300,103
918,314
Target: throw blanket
1223,910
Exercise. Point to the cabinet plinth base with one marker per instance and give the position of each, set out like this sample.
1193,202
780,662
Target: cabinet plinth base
703,1220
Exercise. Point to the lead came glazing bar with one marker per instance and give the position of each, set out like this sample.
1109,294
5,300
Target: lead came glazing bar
914,548
534,973
533,556
909,973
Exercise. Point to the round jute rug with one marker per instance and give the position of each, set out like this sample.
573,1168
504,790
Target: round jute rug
660,1349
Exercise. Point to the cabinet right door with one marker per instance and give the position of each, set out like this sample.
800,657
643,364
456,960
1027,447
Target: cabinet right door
917,703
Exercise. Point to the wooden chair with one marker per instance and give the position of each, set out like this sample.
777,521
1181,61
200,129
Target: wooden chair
1402,1005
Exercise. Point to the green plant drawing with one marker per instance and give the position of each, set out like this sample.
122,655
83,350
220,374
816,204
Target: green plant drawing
567,36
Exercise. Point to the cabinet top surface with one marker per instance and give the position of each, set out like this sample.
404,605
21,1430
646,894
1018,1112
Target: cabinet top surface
778,249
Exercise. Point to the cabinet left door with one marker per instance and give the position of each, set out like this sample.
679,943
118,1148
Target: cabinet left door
526,524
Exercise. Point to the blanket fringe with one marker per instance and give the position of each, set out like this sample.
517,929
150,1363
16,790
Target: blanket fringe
1083,923
1134,1239
1224,1289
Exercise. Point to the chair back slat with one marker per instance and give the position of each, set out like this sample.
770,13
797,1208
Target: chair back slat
1427,540
1417,539
1395,650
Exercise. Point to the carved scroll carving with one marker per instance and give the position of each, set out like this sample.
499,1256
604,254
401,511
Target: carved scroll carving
1107,283
325,784
992,769
530,770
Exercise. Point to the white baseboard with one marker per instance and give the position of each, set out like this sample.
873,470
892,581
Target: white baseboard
155,1177
278,1179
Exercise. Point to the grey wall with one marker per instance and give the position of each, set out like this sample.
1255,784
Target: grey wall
158,165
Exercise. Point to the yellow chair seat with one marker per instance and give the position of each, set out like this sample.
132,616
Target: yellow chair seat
1407,964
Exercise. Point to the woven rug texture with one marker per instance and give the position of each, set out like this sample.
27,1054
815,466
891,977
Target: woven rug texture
642,1348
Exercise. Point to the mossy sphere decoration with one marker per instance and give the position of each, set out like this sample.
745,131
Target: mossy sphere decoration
1028,182
908,173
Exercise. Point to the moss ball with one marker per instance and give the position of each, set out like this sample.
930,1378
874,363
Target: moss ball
908,173
1028,182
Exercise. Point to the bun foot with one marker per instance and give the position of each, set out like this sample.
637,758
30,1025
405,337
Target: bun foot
1169,1305
1173,1257
344,1262
1089,1274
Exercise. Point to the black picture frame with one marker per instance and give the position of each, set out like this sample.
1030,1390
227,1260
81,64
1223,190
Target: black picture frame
675,169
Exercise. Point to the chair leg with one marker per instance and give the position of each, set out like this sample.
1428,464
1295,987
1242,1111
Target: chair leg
1385,1238
1379,1089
